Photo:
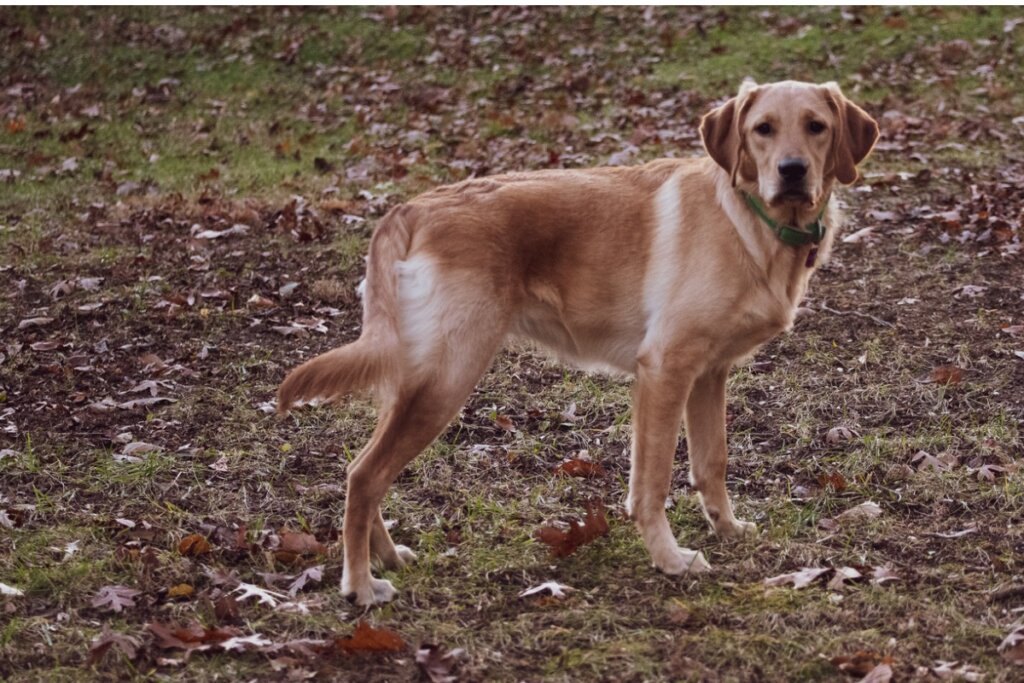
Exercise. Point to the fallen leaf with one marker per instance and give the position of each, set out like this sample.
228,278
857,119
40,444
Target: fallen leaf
301,543
859,236
145,402
557,590
243,643
837,434
945,374
505,422
578,467
225,608
257,301
880,674
182,590
868,510
436,664
881,575
10,590
34,322
190,638
139,448
970,291
115,598
951,671
565,543
314,574
1012,647
924,459
366,638
101,644
860,663
800,579
842,575
194,545
989,473
833,479
266,597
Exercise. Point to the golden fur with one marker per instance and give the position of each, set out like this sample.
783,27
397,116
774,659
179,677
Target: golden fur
660,271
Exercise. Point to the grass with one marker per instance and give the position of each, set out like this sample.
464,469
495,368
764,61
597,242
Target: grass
218,117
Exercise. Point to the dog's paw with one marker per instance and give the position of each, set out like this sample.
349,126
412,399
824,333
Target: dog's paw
682,561
405,554
396,558
736,528
375,592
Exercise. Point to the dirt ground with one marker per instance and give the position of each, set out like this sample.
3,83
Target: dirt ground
185,199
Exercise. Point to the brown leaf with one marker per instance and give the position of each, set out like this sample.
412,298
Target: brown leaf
301,543
565,543
436,664
182,590
505,422
580,468
833,479
946,374
192,637
226,609
366,638
194,545
128,645
860,663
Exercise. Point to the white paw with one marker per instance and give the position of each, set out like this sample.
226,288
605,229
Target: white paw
736,528
405,554
374,592
682,561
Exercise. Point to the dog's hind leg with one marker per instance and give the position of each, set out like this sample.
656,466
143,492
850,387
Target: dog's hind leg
660,392
466,339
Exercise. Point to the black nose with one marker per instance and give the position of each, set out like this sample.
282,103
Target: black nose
792,169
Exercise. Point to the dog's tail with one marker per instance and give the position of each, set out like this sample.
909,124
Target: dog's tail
372,361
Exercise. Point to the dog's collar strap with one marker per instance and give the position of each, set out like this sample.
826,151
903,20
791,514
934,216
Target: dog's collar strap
793,236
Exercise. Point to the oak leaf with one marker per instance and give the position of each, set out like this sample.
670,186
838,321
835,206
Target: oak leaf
577,467
114,598
565,543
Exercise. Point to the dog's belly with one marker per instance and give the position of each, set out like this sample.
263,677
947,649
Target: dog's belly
609,347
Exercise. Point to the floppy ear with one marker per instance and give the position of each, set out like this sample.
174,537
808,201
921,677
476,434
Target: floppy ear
856,133
721,130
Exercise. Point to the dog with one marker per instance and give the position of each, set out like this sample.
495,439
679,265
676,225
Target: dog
672,272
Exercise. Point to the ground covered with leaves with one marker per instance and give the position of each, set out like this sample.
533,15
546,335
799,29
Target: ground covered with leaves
185,199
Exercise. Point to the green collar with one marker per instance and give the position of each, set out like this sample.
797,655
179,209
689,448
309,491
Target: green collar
793,236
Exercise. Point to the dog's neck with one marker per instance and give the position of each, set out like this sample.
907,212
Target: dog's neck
760,242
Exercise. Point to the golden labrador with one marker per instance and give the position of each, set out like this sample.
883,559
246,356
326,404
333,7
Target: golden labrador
671,271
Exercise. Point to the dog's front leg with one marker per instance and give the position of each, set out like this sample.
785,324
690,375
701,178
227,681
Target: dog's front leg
709,452
658,397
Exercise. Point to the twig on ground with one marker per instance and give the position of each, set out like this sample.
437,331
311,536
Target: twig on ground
886,323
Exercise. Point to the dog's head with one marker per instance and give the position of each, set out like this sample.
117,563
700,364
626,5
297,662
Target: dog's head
790,140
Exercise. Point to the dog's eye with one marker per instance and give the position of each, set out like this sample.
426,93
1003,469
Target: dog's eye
763,129
815,127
